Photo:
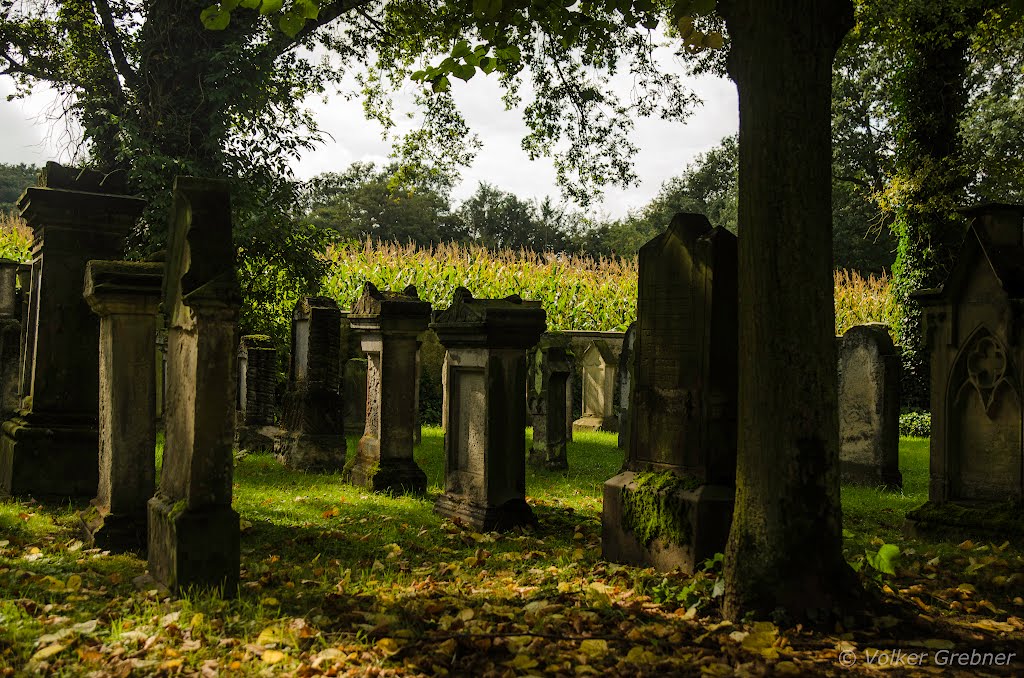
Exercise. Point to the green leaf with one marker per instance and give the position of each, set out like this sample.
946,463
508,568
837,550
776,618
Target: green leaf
493,7
228,5
885,559
418,75
442,84
291,23
214,18
250,4
488,64
461,50
703,6
464,72
271,7
510,53
308,9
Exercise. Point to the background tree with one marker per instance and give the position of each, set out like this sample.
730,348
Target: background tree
14,179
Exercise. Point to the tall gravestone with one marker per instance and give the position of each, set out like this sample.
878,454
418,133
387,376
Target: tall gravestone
126,296
624,389
672,505
313,408
485,411
389,325
972,329
193,531
599,368
50,447
10,336
257,383
869,407
546,385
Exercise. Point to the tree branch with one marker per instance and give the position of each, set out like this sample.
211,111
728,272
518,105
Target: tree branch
114,43
328,13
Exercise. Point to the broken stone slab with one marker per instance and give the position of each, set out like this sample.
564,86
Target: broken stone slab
548,371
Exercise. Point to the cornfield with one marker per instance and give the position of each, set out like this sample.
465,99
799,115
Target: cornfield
862,300
15,238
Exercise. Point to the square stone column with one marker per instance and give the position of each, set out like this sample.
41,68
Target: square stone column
193,531
10,336
389,325
485,411
257,381
313,408
126,297
50,448
546,385
599,368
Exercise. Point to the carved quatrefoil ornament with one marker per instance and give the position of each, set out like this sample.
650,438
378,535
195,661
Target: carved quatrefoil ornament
986,367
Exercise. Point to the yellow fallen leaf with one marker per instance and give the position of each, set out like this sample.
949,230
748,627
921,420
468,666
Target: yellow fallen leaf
466,614
593,647
787,668
388,646
47,652
276,635
171,664
270,601
197,619
74,583
638,655
993,625
272,656
522,662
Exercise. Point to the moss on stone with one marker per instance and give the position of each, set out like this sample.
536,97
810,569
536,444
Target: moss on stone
1002,517
652,507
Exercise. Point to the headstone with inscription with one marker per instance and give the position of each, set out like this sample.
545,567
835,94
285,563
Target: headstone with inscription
485,411
681,462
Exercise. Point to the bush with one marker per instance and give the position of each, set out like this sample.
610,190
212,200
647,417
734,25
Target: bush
916,423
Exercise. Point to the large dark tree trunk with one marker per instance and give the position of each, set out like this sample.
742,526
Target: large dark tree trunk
785,547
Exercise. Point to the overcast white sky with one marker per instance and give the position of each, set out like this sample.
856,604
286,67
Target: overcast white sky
665,148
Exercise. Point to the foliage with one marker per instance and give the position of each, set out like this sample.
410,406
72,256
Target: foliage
15,238
916,423
14,179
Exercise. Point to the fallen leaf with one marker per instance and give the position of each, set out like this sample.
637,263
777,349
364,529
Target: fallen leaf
47,652
272,656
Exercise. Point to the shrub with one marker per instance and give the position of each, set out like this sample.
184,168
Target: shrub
916,423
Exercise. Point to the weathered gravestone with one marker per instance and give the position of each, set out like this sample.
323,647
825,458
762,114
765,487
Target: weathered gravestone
257,382
354,395
546,385
485,411
10,336
126,296
389,324
627,366
869,407
193,531
672,506
972,329
50,448
313,409
599,365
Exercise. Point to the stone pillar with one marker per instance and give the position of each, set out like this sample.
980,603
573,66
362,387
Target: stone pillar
389,325
548,373
354,395
869,407
313,410
193,531
599,368
257,380
485,411
627,365
50,448
681,467
10,336
126,297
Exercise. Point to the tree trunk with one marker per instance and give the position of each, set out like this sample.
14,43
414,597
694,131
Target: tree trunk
785,547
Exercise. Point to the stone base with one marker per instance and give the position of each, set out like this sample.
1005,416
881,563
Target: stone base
708,512
513,513
194,548
306,452
113,532
968,520
258,439
400,476
49,459
609,424
852,473
550,460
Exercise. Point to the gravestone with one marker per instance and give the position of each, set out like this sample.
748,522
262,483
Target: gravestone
546,386
389,325
313,409
627,366
672,505
485,411
126,296
10,336
354,395
869,407
50,447
257,383
599,365
193,531
972,332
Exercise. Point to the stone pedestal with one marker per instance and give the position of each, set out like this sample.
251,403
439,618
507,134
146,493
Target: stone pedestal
546,386
193,531
126,296
10,337
313,410
49,449
257,380
672,505
869,407
389,325
599,368
485,411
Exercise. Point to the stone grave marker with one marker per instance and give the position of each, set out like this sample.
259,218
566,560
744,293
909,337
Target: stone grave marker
546,385
313,408
354,395
972,330
257,383
126,296
869,407
600,365
50,447
624,388
193,531
485,408
10,336
389,325
672,505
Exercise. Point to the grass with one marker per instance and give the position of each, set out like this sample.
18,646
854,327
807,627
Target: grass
341,581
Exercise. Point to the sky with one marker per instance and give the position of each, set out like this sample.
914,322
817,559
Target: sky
665,147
